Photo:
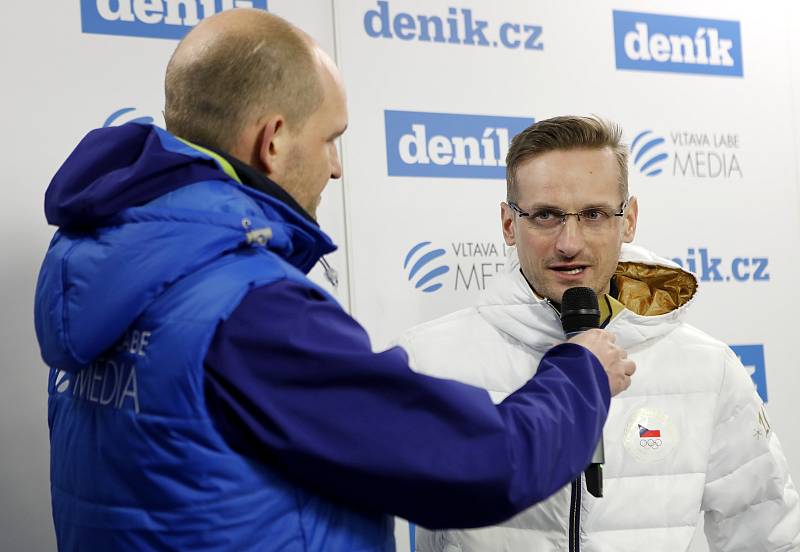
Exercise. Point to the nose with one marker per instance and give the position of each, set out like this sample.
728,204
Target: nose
336,163
570,240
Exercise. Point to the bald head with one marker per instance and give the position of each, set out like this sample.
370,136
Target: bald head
236,67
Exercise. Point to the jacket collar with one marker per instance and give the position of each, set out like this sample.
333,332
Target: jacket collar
248,176
511,307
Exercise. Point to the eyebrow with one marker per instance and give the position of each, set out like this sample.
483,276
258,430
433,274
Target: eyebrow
551,207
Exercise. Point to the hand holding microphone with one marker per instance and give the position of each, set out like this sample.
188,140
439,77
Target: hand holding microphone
580,318
619,368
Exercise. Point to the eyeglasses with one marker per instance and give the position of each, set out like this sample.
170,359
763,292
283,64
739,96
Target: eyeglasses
591,218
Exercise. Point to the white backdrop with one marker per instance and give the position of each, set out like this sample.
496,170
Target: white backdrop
724,202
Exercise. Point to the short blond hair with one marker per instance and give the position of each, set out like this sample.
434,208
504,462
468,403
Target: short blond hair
248,71
566,133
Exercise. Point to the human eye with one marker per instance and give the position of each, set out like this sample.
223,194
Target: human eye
544,215
595,214
546,218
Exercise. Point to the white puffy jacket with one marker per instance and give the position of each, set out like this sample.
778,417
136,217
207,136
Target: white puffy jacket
690,435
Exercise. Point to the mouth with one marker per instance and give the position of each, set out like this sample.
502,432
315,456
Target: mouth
570,270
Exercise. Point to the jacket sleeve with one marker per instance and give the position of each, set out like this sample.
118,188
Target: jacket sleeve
291,381
750,501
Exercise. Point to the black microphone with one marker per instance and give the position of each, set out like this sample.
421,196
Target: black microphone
580,312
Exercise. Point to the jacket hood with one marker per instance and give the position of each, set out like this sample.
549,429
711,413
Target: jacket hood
114,168
655,292
139,209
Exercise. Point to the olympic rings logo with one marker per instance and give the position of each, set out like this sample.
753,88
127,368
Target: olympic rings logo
652,443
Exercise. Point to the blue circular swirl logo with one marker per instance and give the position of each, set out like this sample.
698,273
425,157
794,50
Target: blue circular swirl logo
62,381
126,115
425,270
647,152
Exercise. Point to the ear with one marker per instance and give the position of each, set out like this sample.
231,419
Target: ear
273,145
629,220
507,217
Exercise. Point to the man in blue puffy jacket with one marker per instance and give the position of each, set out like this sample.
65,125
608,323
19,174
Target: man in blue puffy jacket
204,394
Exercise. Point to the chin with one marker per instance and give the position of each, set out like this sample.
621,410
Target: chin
561,288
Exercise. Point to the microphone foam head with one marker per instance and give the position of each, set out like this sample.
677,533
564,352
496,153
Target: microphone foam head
579,310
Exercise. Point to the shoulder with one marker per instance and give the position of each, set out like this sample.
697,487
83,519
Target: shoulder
292,316
443,328
460,330
464,347
718,354
292,295
687,360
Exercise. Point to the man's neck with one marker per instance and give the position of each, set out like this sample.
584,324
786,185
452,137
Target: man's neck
608,303
251,177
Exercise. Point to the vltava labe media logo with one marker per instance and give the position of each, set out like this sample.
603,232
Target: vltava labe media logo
701,154
449,145
675,44
154,18
458,266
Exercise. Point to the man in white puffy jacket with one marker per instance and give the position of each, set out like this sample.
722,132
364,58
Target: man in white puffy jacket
689,436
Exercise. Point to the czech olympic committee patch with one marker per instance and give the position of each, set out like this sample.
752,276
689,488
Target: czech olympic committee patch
650,435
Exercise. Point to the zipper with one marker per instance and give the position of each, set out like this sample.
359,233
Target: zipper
575,517
553,308
330,273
